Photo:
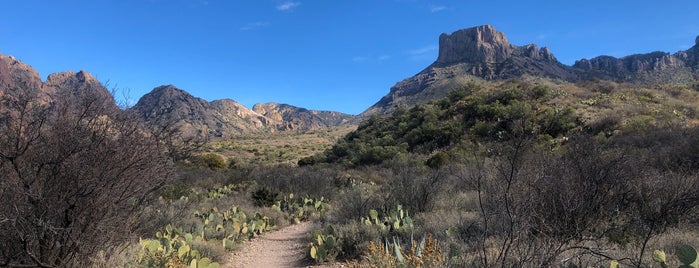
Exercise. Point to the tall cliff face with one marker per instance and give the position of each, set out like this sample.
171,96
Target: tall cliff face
482,44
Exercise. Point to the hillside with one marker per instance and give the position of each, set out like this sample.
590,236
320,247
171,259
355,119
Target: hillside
493,112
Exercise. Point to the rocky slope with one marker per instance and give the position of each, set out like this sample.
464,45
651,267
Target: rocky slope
168,105
484,53
296,118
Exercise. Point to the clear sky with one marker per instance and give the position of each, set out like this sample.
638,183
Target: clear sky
318,54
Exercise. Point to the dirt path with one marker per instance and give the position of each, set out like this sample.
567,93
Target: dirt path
279,249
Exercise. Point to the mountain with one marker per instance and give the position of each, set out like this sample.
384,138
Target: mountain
293,118
167,105
483,53
225,118
20,78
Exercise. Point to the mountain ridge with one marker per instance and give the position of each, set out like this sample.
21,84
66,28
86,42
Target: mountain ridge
168,105
483,53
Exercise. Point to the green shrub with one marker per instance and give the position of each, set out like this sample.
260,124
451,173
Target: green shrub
210,160
263,197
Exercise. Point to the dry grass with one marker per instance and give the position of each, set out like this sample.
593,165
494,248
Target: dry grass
278,147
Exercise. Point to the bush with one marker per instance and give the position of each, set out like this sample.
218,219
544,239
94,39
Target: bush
211,160
263,197
75,173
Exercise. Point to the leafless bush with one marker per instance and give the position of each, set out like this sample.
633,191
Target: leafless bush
75,172
540,208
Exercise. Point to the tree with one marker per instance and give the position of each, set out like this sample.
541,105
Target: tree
75,170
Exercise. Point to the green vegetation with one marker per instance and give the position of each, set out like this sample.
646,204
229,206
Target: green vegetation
473,113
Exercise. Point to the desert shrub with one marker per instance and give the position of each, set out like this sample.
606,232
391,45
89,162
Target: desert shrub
263,197
75,173
210,160
423,253
175,191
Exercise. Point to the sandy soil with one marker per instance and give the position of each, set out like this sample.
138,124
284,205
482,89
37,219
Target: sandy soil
279,249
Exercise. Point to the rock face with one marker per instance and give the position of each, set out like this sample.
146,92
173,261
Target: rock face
296,118
167,105
17,76
650,67
484,53
78,84
482,44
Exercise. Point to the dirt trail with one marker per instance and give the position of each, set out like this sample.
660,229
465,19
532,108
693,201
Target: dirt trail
279,249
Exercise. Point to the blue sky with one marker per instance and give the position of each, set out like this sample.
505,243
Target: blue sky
320,54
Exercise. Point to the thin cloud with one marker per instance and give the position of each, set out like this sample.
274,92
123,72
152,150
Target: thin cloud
435,9
363,59
422,50
423,53
360,59
254,25
288,6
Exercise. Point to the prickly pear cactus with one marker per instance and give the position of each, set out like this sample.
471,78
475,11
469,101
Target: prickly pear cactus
686,254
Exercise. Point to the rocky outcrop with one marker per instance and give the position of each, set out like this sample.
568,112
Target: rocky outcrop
630,67
482,44
485,52
76,85
15,75
296,118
